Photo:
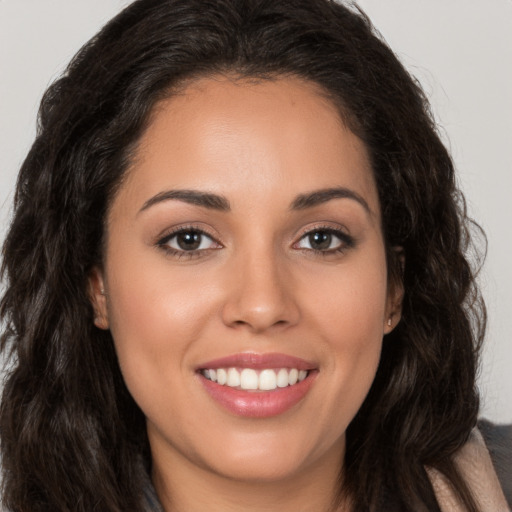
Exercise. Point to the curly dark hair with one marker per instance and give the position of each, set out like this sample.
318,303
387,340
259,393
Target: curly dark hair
72,438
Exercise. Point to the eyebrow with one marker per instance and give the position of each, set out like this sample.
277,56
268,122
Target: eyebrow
195,197
220,203
317,197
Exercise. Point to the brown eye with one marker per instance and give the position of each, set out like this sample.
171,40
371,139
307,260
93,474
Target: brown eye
320,240
188,240
325,240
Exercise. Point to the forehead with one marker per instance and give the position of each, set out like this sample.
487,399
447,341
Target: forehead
243,138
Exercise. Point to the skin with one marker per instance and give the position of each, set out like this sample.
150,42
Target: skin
256,285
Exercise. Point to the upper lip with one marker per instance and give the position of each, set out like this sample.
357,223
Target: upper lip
258,361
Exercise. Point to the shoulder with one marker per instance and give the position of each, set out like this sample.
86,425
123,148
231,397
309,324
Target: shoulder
477,463
498,439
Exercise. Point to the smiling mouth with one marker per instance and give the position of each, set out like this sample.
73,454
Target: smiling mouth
249,379
255,385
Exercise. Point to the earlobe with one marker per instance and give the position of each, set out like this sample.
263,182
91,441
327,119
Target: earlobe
394,309
98,297
395,293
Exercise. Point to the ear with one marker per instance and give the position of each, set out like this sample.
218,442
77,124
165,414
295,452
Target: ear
395,290
98,298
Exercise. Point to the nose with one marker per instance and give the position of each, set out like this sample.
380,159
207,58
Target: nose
261,294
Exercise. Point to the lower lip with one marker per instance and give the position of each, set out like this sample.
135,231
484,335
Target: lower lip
258,404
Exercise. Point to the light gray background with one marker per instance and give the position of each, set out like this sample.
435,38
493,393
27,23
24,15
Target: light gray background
460,50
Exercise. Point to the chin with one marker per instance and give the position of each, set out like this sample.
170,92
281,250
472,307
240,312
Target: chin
267,457
265,469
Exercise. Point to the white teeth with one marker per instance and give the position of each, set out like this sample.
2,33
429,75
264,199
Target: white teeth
282,378
222,376
293,376
268,380
250,379
233,378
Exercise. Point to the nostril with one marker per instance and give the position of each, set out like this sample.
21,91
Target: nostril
258,308
255,325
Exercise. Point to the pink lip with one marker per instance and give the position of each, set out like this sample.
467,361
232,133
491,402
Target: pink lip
258,362
258,404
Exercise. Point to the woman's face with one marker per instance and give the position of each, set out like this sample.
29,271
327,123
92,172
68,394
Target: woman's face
245,244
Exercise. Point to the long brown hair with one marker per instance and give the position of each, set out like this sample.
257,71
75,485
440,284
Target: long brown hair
72,437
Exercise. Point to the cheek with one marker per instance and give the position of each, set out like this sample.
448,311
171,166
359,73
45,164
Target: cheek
349,313
152,302
155,315
350,301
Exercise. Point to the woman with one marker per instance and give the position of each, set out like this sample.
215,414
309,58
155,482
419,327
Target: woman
245,285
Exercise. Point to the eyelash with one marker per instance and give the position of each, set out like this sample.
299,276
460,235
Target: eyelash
346,241
164,241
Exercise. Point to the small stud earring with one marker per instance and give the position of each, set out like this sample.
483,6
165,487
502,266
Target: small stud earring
389,322
102,292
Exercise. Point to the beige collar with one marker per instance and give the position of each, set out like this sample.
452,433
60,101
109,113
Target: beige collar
475,465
